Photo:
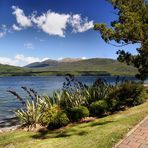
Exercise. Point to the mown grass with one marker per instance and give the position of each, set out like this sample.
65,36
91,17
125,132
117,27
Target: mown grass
101,133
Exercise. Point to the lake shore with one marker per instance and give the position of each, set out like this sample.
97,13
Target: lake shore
145,85
9,124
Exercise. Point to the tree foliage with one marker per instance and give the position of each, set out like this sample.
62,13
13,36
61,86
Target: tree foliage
131,27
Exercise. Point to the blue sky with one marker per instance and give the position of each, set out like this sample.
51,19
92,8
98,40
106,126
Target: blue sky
32,30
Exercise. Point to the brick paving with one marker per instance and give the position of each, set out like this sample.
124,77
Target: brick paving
137,137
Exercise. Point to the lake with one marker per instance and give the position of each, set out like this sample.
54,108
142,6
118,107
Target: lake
43,85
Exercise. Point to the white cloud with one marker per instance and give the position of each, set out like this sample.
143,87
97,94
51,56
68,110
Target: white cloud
2,34
56,24
28,45
3,31
16,28
4,60
44,59
79,24
83,58
21,18
61,58
52,23
20,60
4,27
28,60
39,39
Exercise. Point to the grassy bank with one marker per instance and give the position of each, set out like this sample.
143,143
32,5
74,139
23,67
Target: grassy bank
102,133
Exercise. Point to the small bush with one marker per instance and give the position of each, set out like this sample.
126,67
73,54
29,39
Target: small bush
126,94
78,113
98,108
49,115
59,120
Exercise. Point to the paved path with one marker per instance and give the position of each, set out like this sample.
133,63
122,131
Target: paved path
136,138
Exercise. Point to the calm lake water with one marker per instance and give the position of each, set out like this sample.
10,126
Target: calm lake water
43,85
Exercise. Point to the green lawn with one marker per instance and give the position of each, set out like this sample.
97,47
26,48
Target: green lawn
102,133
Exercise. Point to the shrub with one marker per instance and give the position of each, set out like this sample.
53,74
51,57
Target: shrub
78,113
59,120
49,115
126,94
98,108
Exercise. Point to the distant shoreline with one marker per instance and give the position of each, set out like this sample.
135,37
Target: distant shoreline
109,75
58,73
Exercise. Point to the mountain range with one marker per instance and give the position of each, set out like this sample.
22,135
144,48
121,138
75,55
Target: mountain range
52,63
95,66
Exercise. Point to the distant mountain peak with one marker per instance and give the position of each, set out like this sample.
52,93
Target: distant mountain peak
70,62
51,62
70,59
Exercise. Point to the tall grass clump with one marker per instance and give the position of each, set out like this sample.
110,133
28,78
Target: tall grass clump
99,90
34,108
73,94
